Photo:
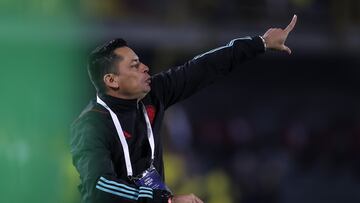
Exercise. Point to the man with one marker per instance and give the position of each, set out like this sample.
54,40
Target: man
115,142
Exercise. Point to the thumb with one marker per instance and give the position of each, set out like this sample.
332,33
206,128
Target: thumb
285,48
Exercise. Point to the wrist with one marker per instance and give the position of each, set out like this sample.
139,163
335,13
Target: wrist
264,42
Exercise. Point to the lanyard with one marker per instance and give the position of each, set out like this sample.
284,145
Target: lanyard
122,137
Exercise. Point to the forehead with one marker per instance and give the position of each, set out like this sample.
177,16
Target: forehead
126,53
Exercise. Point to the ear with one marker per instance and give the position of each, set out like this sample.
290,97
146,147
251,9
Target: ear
111,81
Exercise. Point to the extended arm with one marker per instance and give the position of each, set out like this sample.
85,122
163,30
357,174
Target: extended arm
183,81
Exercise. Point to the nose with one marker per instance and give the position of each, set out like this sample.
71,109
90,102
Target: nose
145,68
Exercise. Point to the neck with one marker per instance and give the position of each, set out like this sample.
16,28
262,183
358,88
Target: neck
122,96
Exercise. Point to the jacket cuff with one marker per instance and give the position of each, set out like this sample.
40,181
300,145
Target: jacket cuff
259,44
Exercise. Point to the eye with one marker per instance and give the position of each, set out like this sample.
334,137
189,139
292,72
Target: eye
135,66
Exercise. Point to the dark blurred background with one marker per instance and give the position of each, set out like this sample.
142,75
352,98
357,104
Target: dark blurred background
280,128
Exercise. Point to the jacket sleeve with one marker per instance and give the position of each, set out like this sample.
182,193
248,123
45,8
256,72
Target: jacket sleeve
181,82
92,159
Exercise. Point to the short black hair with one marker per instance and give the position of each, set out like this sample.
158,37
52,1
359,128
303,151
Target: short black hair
102,61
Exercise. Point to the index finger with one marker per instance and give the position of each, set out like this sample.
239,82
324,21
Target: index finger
291,24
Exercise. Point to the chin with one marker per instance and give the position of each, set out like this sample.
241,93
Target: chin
147,89
145,92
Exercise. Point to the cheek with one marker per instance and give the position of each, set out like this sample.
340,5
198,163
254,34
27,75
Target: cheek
131,82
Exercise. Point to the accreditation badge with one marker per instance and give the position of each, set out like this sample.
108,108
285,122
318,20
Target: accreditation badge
152,179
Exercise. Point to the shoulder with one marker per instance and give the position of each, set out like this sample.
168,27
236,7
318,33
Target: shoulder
93,121
93,112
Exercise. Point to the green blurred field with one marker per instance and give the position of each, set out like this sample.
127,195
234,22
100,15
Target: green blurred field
39,92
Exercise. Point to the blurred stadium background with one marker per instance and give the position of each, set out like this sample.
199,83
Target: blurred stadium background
279,129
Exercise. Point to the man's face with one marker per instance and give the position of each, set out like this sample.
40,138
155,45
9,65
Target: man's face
133,78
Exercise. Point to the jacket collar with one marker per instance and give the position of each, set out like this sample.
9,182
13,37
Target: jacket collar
118,104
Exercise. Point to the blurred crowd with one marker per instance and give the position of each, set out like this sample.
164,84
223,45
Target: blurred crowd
216,11
276,136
